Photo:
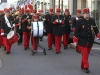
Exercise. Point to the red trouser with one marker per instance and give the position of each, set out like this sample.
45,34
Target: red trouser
85,54
34,43
65,39
58,43
77,48
1,40
76,40
6,44
50,40
26,39
53,40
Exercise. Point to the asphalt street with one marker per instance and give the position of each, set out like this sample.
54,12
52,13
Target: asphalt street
21,62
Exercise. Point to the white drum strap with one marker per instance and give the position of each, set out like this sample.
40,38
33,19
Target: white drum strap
7,21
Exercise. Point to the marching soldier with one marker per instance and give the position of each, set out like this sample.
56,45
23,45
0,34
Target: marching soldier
26,20
58,22
18,23
74,25
1,37
6,24
49,28
85,34
34,40
75,19
67,30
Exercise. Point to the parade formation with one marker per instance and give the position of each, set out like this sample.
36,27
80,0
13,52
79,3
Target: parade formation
18,25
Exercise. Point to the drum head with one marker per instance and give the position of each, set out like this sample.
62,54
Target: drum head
10,34
37,29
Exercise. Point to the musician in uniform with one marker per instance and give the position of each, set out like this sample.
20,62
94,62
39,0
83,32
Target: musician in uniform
34,40
85,34
18,23
74,25
6,25
77,17
58,22
1,37
49,28
26,20
67,30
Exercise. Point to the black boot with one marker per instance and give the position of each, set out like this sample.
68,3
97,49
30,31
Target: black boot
57,52
87,70
28,47
8,52
66,47
4,48
50,49
18,43
25,48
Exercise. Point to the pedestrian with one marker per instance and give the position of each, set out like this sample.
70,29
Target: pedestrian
74,25
1,37
7,24
58,22
66,27
26,20
49,28
85,33
18,22
34,40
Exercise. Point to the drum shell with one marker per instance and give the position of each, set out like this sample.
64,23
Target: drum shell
35,32
14,39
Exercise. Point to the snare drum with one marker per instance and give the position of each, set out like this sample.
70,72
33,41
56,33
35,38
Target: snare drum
37,29
12,37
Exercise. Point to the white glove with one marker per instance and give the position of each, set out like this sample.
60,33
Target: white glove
76,18
56,20
75,43
60,21
13,25
2,33
97,38
27,17
44,30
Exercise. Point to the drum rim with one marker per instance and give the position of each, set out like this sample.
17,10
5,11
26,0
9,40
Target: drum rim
8,35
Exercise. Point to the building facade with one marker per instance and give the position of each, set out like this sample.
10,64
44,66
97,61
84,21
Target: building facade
73,5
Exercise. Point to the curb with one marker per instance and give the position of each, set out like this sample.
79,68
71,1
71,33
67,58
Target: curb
0,63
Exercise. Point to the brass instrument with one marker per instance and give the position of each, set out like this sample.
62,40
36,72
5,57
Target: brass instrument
28,20
92,29
19,22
